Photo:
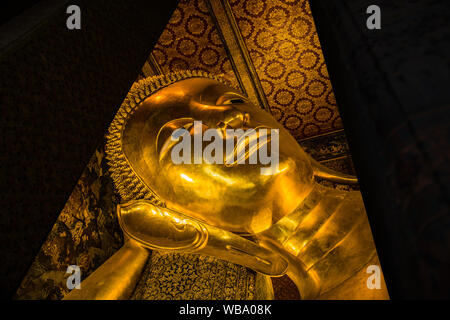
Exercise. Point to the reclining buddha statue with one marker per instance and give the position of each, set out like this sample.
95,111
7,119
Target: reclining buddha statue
274,220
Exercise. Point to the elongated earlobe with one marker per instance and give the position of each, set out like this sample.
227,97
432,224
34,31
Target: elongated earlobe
325,173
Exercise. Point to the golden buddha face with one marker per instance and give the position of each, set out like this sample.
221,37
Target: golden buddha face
243,198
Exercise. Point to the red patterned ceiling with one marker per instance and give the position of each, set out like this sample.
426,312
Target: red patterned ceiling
191,41
284,48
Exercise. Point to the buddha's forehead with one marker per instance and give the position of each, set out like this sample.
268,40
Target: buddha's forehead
202,90
198,99
179,103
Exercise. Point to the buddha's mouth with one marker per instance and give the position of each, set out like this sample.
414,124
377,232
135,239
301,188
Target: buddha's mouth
248,145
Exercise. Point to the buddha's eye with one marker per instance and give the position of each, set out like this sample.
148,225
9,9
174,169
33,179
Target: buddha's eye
233,101
229,98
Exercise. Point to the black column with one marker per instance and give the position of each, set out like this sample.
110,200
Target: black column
393,91
60,89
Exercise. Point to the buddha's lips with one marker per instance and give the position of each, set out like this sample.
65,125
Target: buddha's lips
246,146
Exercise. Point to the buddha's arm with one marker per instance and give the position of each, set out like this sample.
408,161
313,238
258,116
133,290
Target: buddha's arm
116,278
170,231
328,240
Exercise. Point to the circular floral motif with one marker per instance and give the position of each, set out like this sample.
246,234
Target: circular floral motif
200,5
308,59
257,58
167,38
177,17
292,122
246,27
277,16
300,28
323,72
315,41
295,79
274,70
310,129
264,39
276,113
254,8
323,114
178,64
225,66
196,25
187,47
209,56
304,106
267,87
214,38
286,49
316,88
337,123
284,97
160,56
330,98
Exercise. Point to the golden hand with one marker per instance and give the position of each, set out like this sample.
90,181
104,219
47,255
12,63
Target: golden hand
166,230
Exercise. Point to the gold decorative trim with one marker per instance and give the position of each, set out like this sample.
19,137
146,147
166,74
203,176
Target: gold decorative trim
237,52
330,133
151,67
334,159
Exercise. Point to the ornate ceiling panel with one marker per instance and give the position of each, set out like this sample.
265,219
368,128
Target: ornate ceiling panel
191,41
283,48
283,44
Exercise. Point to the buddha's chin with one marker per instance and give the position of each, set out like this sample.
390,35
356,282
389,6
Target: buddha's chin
243,214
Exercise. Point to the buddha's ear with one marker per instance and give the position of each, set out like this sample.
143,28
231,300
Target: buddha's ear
323,172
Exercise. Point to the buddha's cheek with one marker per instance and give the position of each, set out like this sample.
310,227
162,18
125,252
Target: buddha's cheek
237,199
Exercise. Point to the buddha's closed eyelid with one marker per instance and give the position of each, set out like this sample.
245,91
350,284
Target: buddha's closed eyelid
230,98
233,101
